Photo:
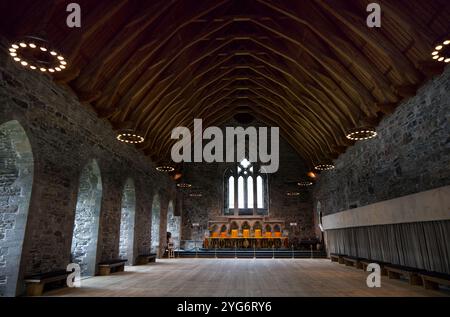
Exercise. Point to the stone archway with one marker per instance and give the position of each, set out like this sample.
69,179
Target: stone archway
16,181
156,214
87,219
127,221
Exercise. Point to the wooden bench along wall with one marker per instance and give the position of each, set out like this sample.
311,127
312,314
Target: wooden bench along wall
353,261
365,264
337,258
108,267
394,272
433,280
145,258
36,283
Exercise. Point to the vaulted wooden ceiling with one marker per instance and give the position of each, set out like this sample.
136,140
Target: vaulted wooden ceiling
311,67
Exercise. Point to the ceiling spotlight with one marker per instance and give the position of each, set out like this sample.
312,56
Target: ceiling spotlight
42,69
32,45
311,174
15,46
292,194
324,167
361,133
195,195
22,45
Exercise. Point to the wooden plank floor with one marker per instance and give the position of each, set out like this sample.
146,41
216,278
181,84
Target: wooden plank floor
241,277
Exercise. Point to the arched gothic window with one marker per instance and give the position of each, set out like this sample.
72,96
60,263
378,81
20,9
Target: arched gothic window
246,190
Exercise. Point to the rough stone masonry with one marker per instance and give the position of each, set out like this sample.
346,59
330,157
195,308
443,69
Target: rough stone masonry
65,136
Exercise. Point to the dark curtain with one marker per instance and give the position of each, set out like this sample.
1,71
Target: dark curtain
423,245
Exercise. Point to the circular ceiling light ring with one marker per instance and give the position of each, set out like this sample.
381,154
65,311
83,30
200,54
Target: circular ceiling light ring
304,183
441,51
129,136
324,167
35,53
361,133
165,168
184,185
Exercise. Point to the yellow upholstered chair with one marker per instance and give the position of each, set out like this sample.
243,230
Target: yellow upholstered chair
268,234
246,233
215,235
257,233
234,233
277,234
223,234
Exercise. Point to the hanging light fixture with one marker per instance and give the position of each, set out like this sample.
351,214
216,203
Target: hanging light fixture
324,167
361,133
184,185
304,183
36,54
165,168
441,52
129,136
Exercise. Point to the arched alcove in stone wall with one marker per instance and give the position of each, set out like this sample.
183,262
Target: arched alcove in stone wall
156,214
127,221
173,225
16,181
87,219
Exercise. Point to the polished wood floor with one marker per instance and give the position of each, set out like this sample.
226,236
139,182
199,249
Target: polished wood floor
241,277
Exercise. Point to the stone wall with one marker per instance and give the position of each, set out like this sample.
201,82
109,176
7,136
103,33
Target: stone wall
87,218
127,222
410,154
64,136
156,212
16,178
207,179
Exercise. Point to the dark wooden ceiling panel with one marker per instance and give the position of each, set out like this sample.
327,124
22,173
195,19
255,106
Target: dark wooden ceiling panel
311,67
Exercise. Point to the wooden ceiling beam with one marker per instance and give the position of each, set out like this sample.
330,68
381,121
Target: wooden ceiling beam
309,16
126,40
377,41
